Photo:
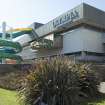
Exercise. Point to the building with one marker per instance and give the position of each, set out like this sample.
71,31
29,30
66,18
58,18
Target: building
79,33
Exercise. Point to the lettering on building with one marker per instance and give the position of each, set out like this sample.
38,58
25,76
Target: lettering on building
68,17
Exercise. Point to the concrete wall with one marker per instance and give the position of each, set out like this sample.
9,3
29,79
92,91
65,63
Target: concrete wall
94,16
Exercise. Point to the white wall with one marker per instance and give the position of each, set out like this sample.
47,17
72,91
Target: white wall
72,41
92,41
83,39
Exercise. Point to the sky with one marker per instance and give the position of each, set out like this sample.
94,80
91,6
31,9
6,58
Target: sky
22,13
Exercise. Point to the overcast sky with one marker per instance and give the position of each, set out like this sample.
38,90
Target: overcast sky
21,13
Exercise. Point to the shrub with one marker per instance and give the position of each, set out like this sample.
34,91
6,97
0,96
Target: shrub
11,75
11,80
58,81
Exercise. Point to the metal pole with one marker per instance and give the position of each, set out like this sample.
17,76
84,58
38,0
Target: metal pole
3,37
4,30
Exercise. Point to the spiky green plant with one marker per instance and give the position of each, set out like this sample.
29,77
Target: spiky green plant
57,81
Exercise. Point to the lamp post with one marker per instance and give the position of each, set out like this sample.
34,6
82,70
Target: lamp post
3,37
4,30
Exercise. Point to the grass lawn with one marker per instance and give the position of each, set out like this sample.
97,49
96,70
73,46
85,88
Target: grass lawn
96,101
8,97
101,102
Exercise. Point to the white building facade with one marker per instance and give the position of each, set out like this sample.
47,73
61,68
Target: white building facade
81,34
